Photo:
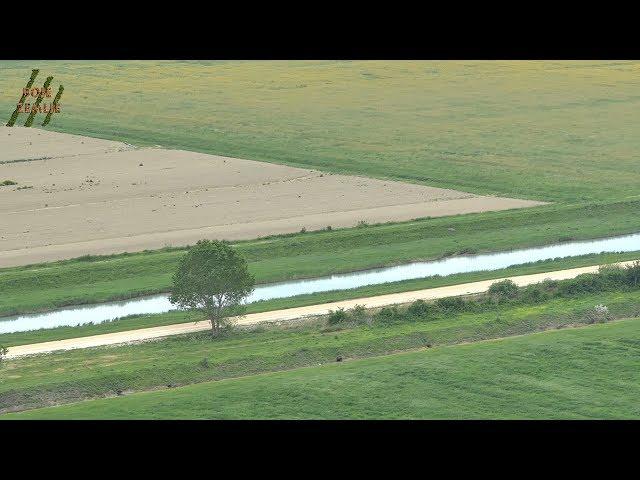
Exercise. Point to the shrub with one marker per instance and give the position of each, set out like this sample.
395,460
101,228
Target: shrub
337,316
451,304
485,301
359,313
632,274
535,293
599,314
613,274
387,314
3,352
362,224
549,285
505,289
6,183
585,283
419,308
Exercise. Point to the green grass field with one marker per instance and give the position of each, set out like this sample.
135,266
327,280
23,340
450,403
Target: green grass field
142,321
74,375
554,131
560,131
581,373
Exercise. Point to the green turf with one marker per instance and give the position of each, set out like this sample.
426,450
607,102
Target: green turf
141,321
73,375
553,131
582,373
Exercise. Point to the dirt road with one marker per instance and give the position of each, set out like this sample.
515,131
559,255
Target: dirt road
294,313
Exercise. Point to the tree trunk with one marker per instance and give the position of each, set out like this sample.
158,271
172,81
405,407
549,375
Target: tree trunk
215,327
214,317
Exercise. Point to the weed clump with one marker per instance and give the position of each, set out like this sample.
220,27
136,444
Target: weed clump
419,309
356,315
598,314
632,274
389,314
337,316
535,293
504,289
359,314
451,304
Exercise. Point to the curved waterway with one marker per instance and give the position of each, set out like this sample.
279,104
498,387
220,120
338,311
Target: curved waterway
97,313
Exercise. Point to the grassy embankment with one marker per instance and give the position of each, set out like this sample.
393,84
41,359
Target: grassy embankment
74,375
553,131
142,321
588,372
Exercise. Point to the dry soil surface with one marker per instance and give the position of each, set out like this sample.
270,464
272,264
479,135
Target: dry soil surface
294,313
79,195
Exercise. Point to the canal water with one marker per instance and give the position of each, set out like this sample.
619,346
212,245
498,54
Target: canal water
97,313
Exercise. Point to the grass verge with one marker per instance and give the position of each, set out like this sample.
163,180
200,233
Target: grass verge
107,371
588,372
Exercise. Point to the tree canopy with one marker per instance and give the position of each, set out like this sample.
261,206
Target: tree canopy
214,279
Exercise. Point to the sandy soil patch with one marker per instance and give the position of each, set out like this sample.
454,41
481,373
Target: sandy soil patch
88,196
20,144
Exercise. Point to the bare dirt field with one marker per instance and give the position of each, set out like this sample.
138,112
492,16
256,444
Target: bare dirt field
78,195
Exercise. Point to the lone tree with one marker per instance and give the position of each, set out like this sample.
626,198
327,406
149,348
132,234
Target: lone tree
213,279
